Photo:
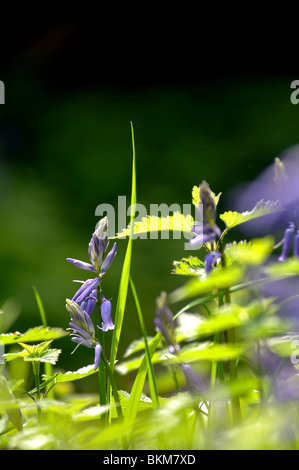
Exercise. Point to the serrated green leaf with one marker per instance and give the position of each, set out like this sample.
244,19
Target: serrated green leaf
137,345
38,333
191,266
218,279
14,413
290,267
176,223
232,219
252,253
285,345
35,353
69,376
206,351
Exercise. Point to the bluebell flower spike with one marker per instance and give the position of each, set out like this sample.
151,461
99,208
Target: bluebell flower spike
296,245
165,323
288,238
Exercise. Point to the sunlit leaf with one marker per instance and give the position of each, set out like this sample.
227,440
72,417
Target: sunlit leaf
35,353
232,219
218,279
191,266
253,253
38,333
176,223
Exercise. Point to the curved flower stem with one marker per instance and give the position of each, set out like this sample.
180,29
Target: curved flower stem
229,337
115,394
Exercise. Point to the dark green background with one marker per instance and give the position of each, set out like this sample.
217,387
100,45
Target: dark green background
65,147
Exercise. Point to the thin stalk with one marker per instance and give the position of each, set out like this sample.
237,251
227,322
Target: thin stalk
115,394
229,337
48,366
36,368
151,375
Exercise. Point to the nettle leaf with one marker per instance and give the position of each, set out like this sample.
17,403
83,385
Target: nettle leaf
177,223
285,346
289,267
137,345
35,353
73,375
232,219
196,196
38,333
206,351
191,266
218,279
253,253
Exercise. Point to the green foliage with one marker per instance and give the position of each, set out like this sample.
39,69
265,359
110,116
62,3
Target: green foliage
38,333
36,353
176,223
199,383
232,219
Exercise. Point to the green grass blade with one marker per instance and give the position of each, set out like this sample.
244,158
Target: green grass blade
151,376
136,391
48,366
40,307
125,275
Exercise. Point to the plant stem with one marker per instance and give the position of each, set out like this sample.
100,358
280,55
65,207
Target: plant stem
115,394
151,376
36,368
229,337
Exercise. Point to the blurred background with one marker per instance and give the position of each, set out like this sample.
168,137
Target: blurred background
74,79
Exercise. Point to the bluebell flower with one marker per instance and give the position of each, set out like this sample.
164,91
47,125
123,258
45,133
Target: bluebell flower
296,245
83,331
96,250
86,289
211,260
193,380
206,230
287,242
165,323
99,264
107,323
89,303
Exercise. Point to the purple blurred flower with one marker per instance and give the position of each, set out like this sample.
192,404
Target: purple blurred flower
206,230
278,182
193,380
211,260
287,242
165,323
107,323
296,244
